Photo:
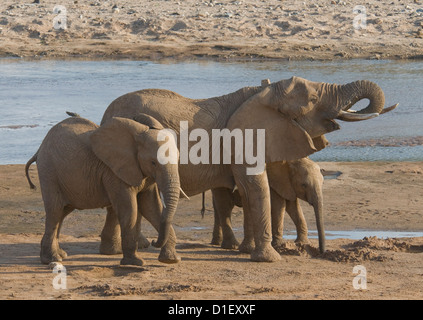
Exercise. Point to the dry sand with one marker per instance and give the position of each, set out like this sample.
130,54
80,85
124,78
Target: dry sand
372,196
375,196
154,29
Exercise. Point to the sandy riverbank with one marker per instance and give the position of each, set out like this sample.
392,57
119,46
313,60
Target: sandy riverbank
373,196
321,29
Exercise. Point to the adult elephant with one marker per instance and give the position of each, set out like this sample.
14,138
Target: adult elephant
295,113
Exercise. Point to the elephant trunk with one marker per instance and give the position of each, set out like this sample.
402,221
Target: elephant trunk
318,211
170,198
349,94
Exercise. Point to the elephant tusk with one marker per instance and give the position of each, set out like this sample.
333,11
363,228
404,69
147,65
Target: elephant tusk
183,194
162,199
353,116
387,109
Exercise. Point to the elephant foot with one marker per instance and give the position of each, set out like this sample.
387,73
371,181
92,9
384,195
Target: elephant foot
247,246
230,243
47,258
143,242
48,255
216,240
62,253
277,243
110,246
169,256
302,240
131,261
265,253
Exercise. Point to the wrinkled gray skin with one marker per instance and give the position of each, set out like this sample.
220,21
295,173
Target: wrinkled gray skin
83,166
295,113
289,182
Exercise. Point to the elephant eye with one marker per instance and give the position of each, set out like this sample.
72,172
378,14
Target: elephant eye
153,163
314,99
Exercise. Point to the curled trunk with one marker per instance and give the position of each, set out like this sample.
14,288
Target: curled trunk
353,92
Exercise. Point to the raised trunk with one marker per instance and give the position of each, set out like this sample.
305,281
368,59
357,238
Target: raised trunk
353,92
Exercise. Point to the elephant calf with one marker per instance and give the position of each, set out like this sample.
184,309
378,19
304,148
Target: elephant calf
84,166
288,181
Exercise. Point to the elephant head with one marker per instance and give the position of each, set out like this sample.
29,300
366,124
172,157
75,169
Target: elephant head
296,113
130,148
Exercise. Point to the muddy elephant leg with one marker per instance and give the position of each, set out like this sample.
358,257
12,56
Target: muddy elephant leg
223,204
110,235
296,213
278,212
150,207
255,194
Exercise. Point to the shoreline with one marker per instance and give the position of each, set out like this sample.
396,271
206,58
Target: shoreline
156,30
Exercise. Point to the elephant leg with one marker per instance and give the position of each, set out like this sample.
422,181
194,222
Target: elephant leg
50,248
223,204
278,205
150,207
110,235
124,203
296,213
143,242
255,194
248,244
217,236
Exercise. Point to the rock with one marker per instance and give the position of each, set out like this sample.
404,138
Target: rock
285,25
180,25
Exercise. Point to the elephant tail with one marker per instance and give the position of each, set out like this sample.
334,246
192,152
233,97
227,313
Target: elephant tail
28,164
72,114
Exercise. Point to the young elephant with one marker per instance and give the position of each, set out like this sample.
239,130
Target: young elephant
84,166
288,181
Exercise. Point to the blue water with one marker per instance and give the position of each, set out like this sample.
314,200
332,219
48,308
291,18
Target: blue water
34,95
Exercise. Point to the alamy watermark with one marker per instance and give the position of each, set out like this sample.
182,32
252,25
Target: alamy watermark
360,20
60,21
360,280
60,280
221,148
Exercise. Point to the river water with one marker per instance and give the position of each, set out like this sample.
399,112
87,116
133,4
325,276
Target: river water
34,96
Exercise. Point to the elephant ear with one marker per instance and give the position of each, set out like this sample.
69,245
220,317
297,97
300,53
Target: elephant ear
148,120
285,139
114,144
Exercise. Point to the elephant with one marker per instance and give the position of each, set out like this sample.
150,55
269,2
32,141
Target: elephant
294,114
288,181
84,166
